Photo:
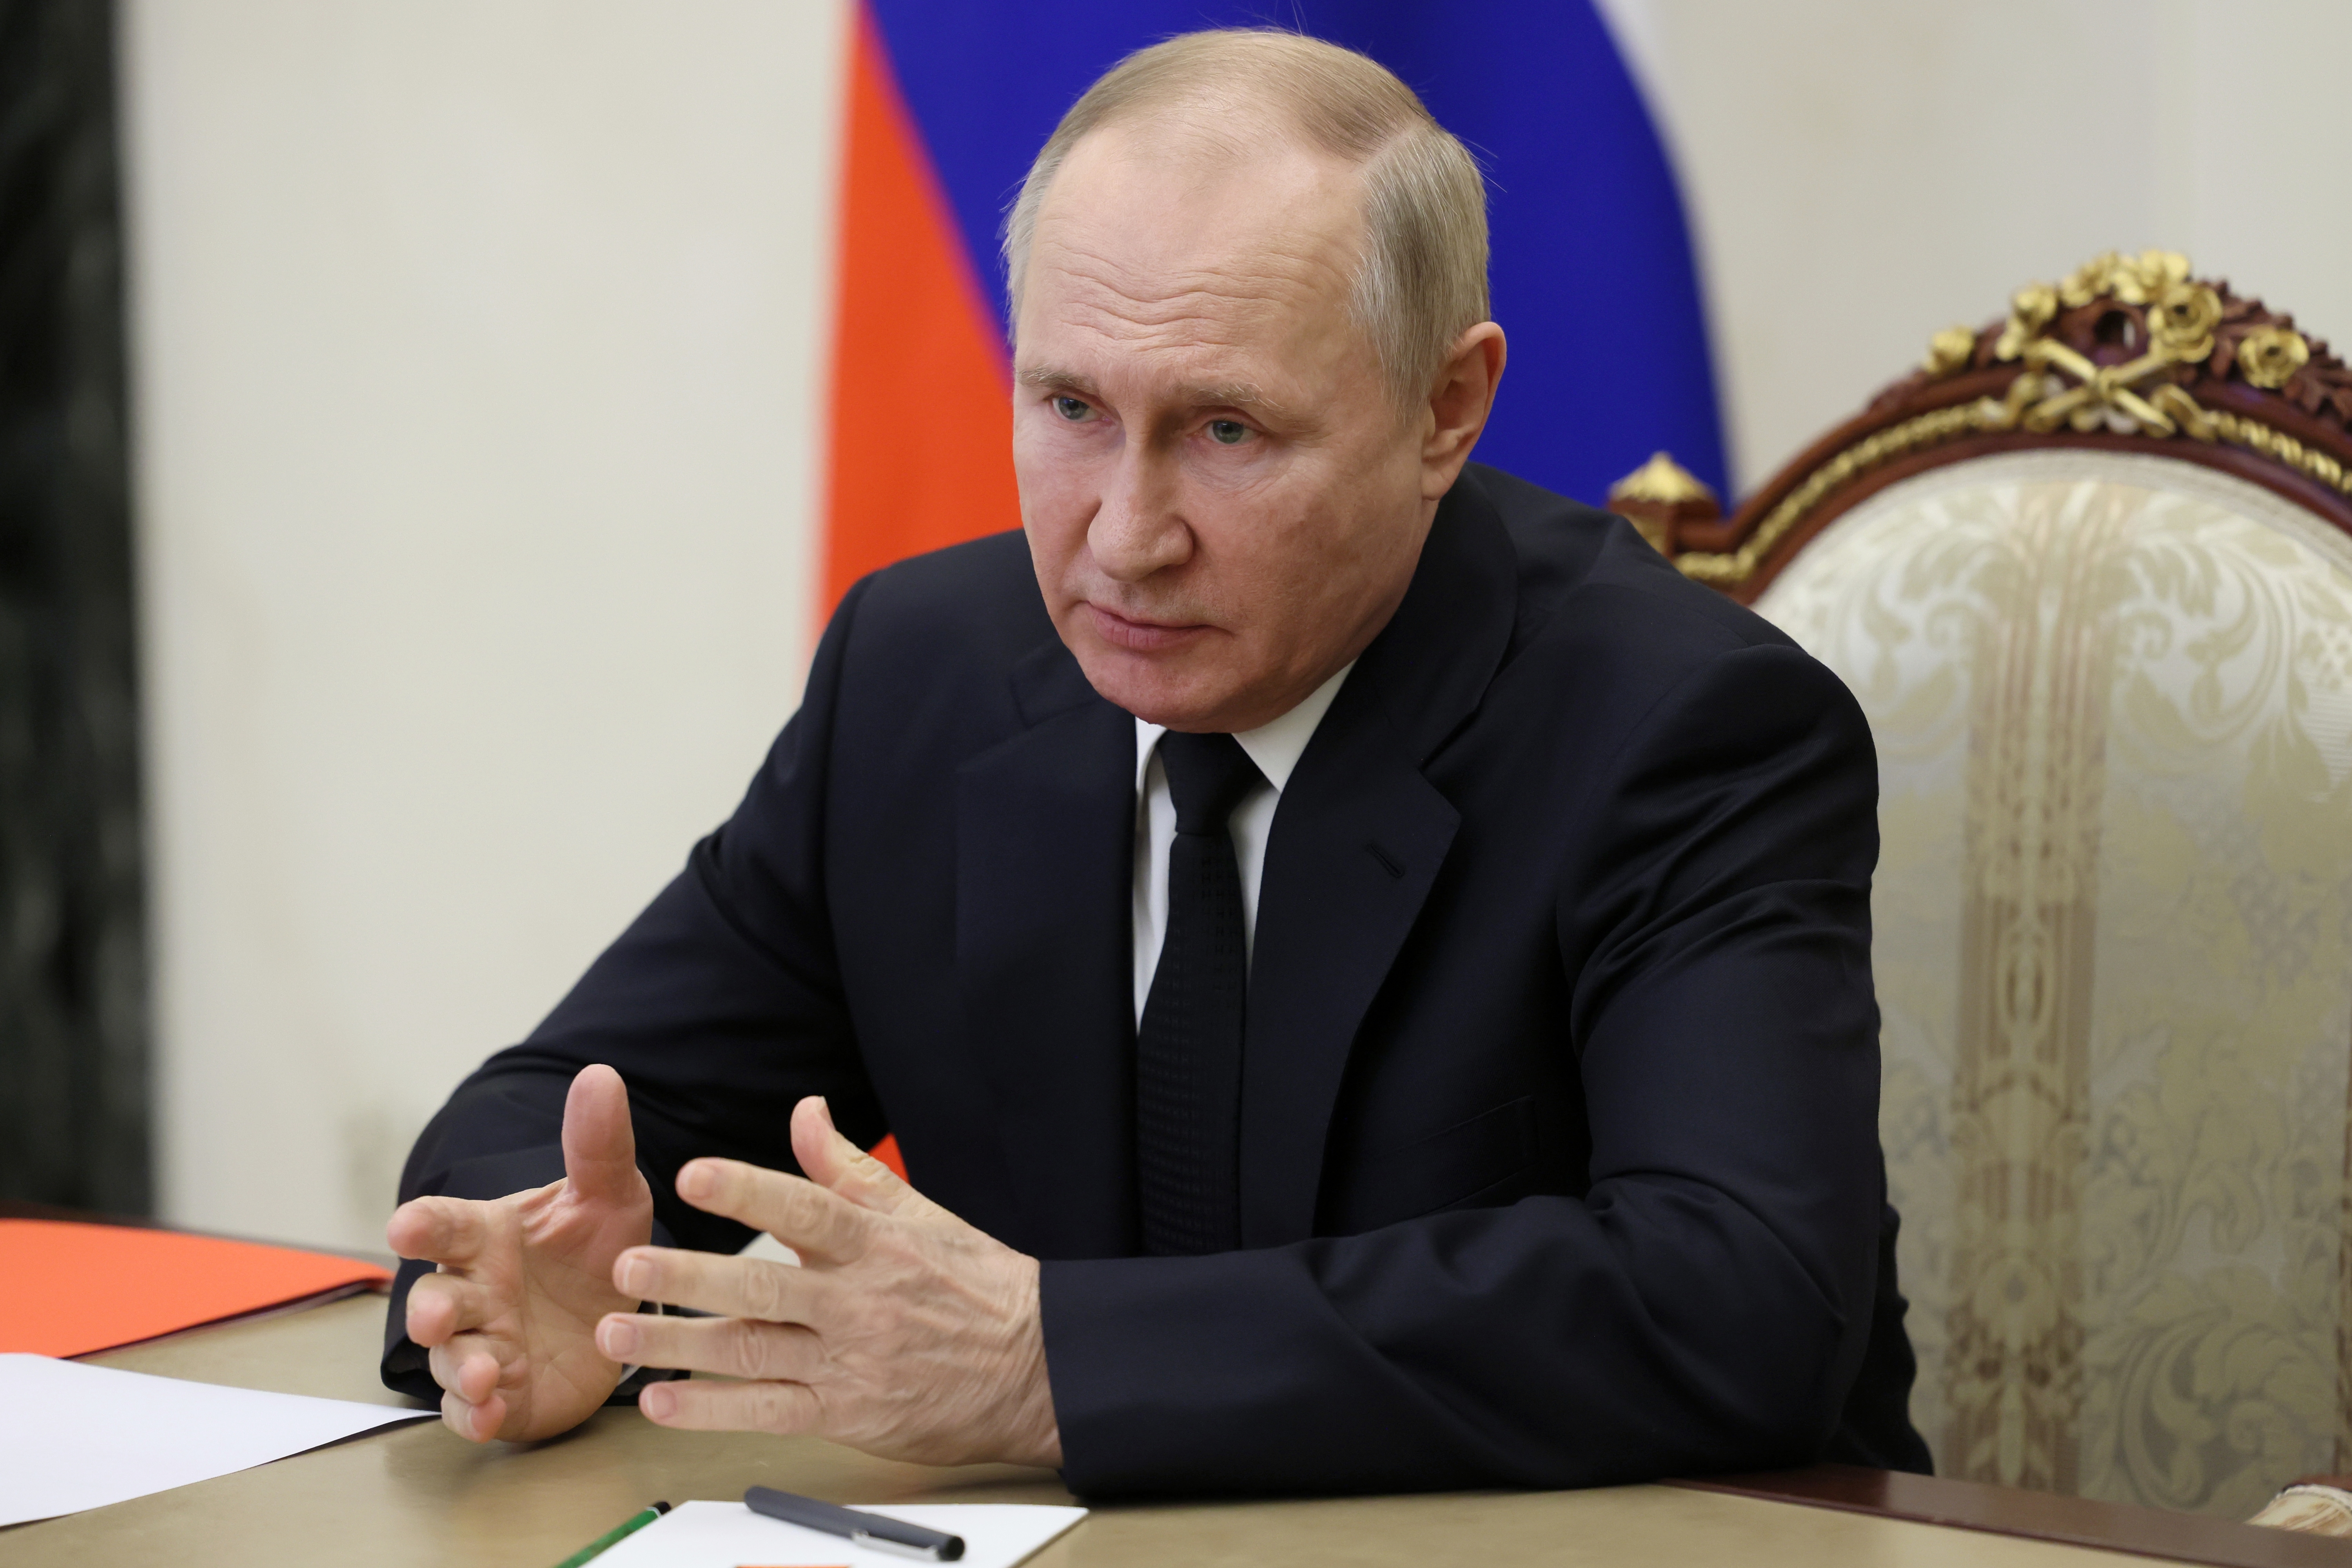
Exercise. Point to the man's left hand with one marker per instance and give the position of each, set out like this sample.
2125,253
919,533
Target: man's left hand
904,1331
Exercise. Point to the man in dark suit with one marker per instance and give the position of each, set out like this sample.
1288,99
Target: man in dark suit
1371,964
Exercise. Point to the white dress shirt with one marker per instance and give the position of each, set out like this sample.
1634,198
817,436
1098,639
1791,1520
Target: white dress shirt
1276,748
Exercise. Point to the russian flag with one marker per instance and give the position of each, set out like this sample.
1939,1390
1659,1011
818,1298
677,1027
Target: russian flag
949,100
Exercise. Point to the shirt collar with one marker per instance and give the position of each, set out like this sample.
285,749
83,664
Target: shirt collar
1275,746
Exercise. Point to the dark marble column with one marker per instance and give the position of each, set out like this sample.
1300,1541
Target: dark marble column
74,1114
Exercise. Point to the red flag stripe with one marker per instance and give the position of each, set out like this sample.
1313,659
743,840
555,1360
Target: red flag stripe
922,430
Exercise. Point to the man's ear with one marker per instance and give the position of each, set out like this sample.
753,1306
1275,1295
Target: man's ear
1458,405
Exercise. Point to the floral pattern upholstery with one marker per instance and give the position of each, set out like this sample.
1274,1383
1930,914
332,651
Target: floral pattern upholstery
2112,695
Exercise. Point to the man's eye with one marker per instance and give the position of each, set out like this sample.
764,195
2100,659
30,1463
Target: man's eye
1228,432
1072,408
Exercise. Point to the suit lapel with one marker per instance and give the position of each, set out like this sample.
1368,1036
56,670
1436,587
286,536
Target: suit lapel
1357,842
1044,859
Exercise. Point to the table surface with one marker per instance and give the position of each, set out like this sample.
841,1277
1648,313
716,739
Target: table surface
419,1495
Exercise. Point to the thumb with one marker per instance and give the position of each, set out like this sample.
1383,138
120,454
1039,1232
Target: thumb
600,1148
834,1162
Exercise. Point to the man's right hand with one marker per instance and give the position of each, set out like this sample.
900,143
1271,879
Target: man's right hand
511,1320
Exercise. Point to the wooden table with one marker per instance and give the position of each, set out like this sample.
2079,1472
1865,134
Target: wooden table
419,1496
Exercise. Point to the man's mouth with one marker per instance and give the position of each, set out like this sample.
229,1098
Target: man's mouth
1137,636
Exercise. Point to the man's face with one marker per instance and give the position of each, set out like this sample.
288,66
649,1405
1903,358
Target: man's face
1222,504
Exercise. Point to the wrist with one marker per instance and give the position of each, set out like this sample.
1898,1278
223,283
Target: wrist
1035,1434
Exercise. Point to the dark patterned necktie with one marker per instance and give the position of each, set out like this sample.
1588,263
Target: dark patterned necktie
1188,1049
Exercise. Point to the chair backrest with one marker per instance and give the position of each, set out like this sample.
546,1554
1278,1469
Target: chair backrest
2089,573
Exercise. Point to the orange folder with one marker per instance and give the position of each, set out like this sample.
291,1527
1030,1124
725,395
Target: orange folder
68,1290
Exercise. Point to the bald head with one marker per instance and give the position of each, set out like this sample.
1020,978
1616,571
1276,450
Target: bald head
1236,102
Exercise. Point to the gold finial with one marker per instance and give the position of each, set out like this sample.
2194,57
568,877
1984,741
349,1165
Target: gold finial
1661,480
1949,350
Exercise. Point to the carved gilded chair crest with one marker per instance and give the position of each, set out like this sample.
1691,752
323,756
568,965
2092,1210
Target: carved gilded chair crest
2123,352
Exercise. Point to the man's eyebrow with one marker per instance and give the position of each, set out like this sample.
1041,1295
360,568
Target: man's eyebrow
1229,394
1050,380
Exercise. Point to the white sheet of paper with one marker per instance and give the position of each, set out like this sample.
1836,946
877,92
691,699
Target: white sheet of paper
728,1535
77,1436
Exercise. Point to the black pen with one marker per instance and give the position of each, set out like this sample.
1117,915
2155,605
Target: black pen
862,1529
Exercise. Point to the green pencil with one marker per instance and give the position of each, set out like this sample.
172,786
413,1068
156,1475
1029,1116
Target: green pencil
629,1526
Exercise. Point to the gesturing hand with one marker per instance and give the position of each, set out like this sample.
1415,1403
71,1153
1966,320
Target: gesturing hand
510,1319
906,1333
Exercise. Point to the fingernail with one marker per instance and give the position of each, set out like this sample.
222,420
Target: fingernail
694,1181
617,1338
658,1402
636,1276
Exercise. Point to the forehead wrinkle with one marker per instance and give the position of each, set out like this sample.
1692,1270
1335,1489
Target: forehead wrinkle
1292,253
1195,296
1206,318
1179,331
1301,260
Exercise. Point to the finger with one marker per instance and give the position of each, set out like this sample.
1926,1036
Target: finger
600,1148
440,1305
475,1423
466,1366
780,1407
730,1287
439,1230
733,1347
805,1216
839,1166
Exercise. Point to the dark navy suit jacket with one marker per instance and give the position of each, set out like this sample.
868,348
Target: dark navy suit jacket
1559,1151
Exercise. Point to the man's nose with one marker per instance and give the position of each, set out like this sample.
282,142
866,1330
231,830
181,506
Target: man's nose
1138,528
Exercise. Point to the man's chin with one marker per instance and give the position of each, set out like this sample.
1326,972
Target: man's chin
1156,688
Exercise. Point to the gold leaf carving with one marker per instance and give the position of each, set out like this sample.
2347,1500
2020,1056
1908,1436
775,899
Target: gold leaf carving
2182,321
2030,310
2269,356
2133,279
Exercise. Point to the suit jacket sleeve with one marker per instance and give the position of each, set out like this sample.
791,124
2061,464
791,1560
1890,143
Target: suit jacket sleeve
1703,1305
721,1007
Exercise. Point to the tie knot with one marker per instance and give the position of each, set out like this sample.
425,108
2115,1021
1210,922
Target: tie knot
1207,775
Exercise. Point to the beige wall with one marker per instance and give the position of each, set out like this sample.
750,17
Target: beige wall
1863,171
477,364
477,349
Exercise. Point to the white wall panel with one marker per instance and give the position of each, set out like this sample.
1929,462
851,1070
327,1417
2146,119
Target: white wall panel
479,398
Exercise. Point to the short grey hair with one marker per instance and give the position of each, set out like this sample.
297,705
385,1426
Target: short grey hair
1421,282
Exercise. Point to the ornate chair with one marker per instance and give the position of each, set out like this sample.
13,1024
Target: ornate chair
2089,571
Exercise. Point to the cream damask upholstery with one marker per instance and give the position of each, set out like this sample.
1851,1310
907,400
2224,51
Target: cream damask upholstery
2112,695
